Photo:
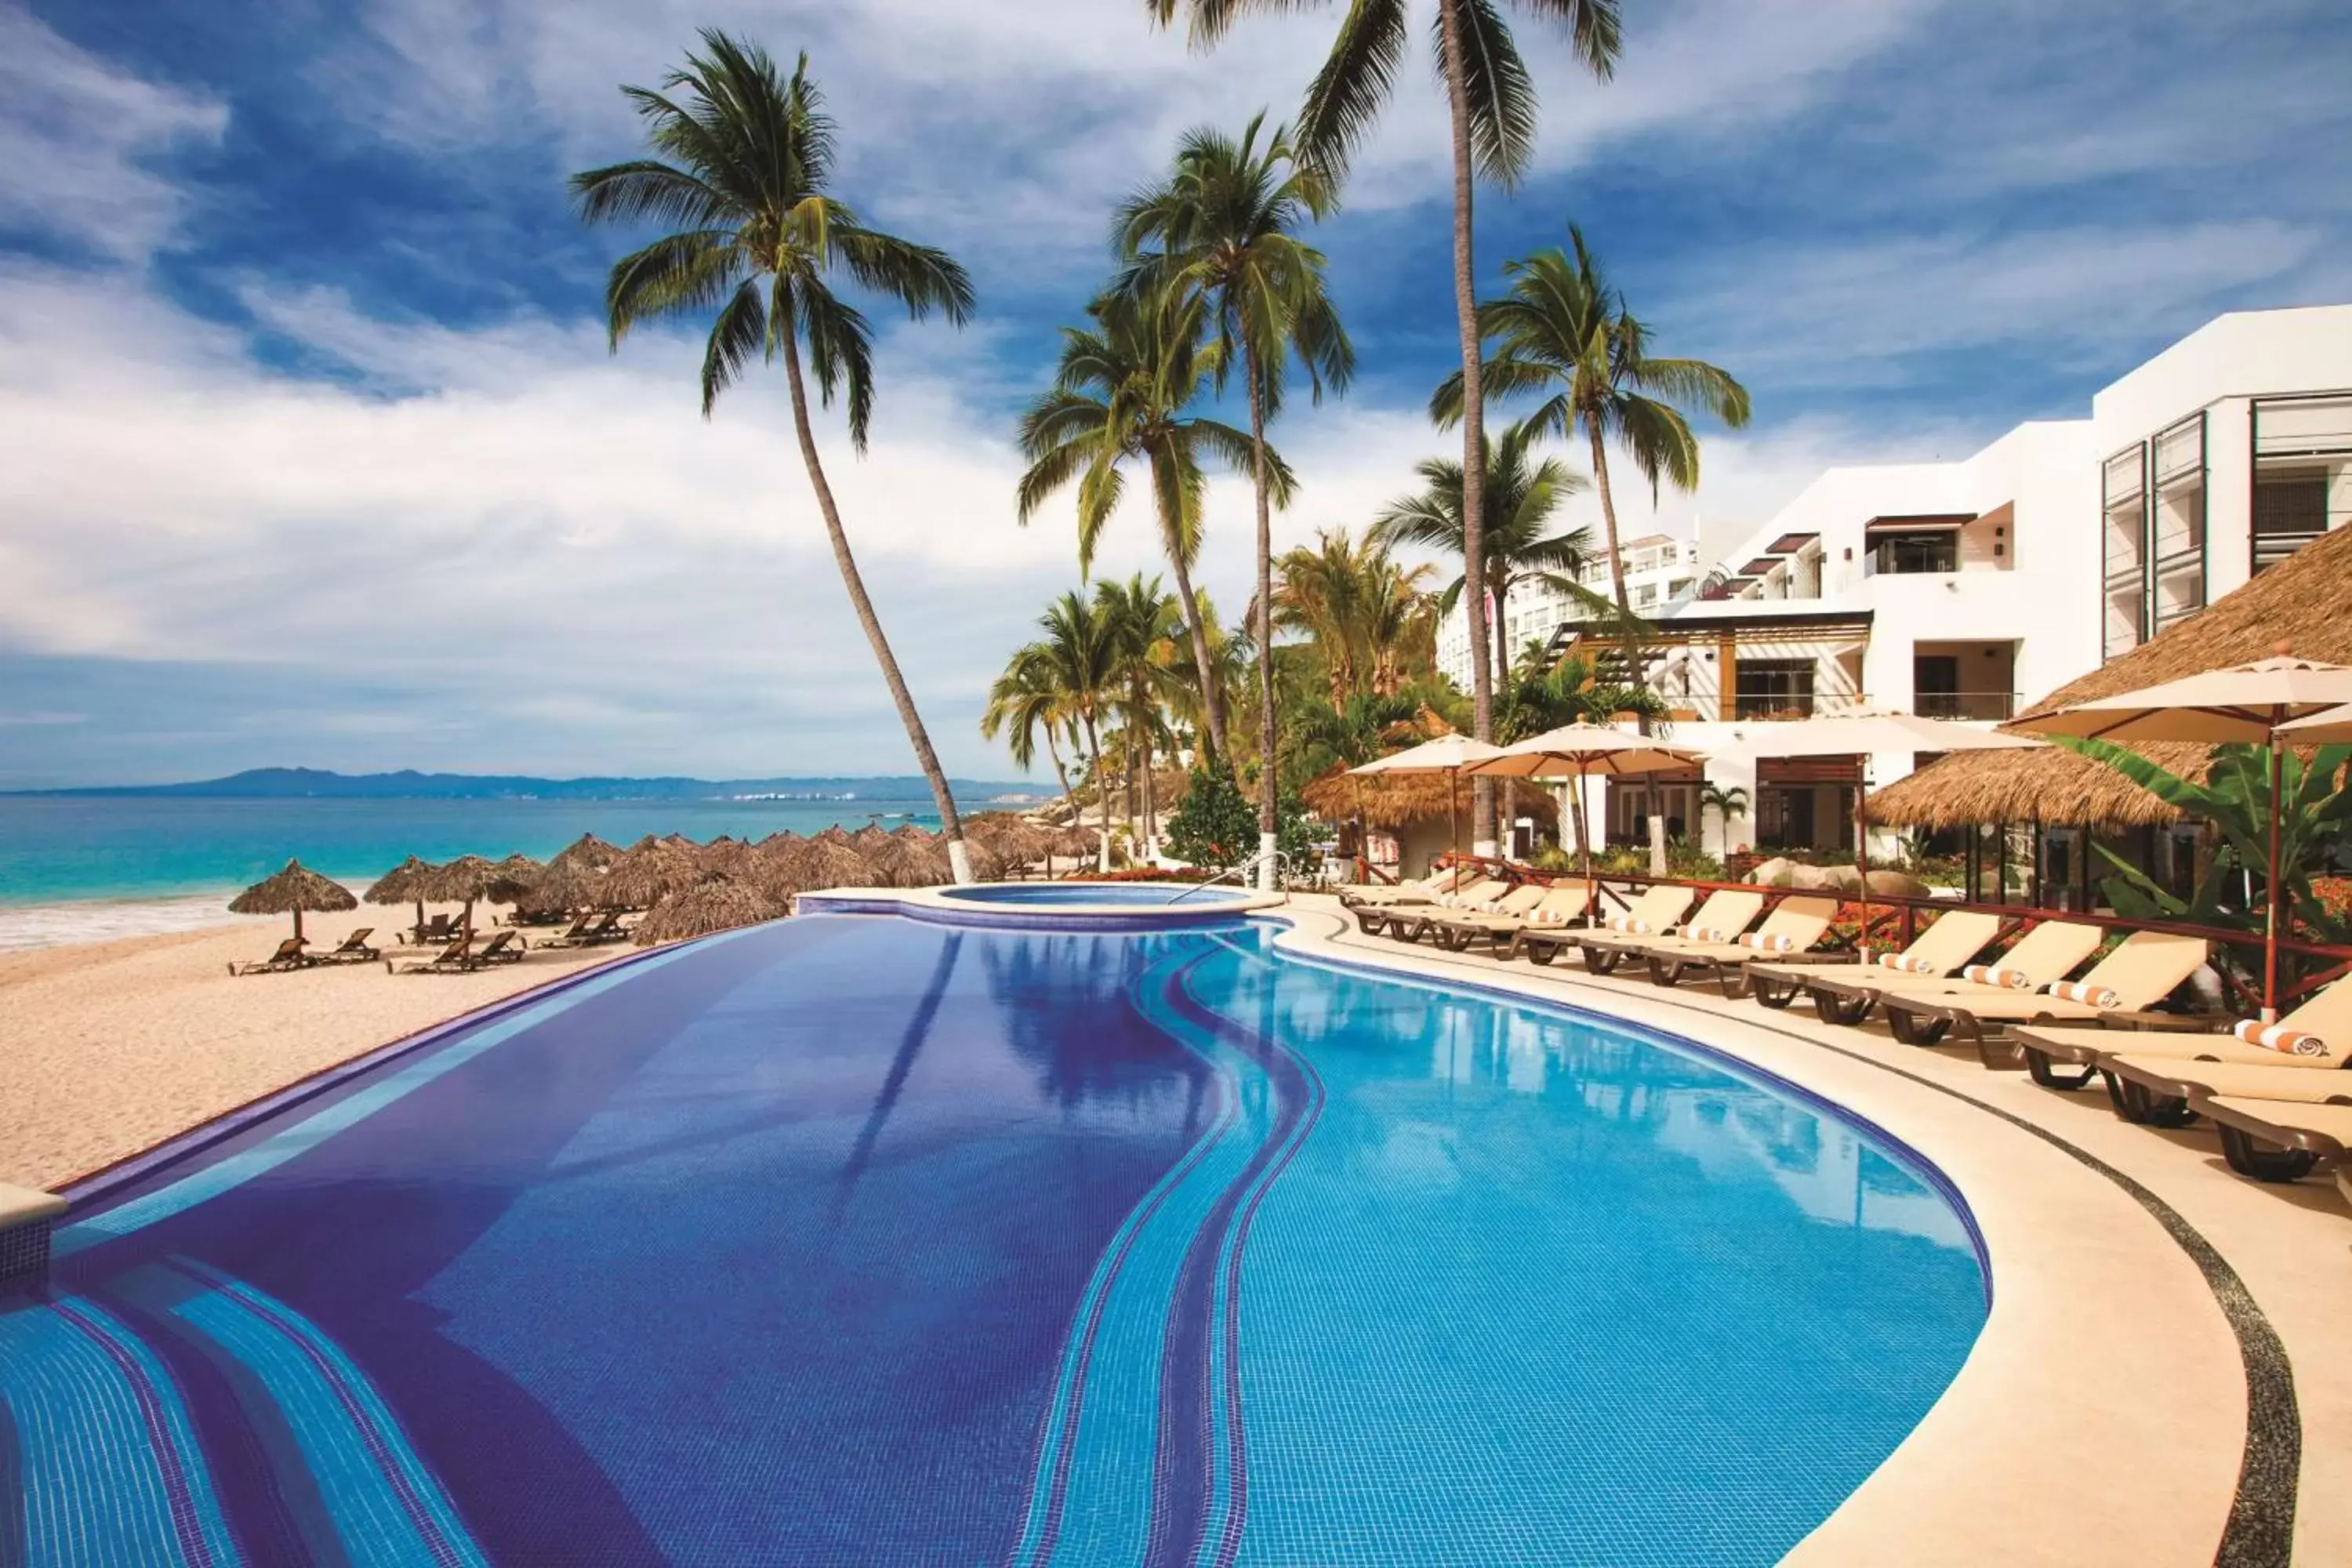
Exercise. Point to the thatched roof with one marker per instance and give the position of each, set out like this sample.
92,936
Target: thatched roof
564,887
587,852
461,881
648,870
715,903
2300,602
513,877
295,888
1013,838
1391,800
406,883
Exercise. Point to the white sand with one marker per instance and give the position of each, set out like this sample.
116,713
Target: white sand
109,1048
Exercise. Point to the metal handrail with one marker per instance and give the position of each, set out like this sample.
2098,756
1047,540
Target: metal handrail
1251,864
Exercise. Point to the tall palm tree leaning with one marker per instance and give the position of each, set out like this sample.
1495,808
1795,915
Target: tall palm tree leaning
1221,228
1491,104
1563,330
755,233
1519,497
1120,392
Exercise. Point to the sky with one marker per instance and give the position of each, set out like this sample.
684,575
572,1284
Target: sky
312,451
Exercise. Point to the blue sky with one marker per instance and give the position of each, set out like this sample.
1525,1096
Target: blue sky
310,450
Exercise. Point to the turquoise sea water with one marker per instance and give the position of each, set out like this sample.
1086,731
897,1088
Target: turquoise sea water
55,848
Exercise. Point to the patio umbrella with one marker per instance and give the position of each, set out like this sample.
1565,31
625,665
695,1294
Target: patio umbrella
1584,750
2252,704
1860,735
2332,727
1447,754
293,890
462,881
404,884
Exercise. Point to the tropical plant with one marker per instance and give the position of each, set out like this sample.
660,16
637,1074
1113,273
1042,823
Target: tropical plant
743,175
1221,229
1563,332
1143,624
1491,107
1120,393
1215,826
1024,702
1077,659
1362,608
2316,818
1727,804
1520,499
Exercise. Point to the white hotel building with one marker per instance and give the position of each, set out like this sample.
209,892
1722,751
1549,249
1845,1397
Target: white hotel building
1961,589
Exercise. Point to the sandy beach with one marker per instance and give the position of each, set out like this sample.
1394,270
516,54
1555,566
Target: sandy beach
108,1048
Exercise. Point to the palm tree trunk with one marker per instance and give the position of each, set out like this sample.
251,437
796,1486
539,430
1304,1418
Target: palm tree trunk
1268,836
1630,640
1150,815
1474,428
1212,706
1059,771
950,824
1102,799
1502,638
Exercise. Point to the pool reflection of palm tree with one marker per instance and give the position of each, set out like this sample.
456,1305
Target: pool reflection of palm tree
911,1040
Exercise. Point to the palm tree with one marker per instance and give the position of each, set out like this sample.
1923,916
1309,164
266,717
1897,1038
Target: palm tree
1518,497
1119,392
1023,703
1727,804
1490,101
1357,604
1349,735
1563,330
1219,229
1142,623
757,234
1080,659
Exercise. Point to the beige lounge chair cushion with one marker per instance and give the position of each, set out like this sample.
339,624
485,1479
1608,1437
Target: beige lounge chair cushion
2315,1084
2331,1122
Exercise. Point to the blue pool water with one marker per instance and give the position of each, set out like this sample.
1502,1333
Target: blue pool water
855,1240
1062,895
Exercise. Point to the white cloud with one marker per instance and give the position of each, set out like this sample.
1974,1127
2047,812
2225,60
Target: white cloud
79,137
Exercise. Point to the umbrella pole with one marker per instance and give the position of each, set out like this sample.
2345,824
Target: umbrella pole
298,908
2270,924
1454,811
1584,838
1861,860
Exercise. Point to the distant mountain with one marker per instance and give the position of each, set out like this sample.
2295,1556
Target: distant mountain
317,783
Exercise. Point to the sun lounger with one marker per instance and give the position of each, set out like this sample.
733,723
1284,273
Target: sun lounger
463,957
2157,1089
1551,907
1495,897
1659,910
1795,925
2148,967
2280,1140
2049,1047
1938,952
440,928
1422,891
1724,914
2041,957
1372,919
354,950
290,955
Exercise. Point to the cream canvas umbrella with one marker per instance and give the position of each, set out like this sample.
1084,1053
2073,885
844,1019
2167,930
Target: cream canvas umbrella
1447,754
1861,735
2332,727
2250,704
1580,750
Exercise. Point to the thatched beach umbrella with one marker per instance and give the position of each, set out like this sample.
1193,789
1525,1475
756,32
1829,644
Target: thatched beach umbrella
823,862
713,904
649,869
562,888
291,891
587,852
464,881
405,883
514,878
1011,837
724,855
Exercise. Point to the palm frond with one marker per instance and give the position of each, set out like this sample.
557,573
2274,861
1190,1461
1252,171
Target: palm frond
741,331
1354,84
841,351
1496,90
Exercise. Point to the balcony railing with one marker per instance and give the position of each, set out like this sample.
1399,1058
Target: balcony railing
1983,707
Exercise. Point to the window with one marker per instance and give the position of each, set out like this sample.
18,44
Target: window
1773,689
2303,472
2124,483
2177,571
1932,550
1646,594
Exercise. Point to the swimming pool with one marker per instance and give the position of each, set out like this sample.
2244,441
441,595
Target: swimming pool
1063,895
856,1239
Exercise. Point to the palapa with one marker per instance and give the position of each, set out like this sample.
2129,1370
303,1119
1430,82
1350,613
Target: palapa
513,877
292,890
714,904
647,872
464,881
828,862
586,852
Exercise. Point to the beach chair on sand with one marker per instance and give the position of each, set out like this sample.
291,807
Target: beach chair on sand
354,950
1455,930
462,956
2148,967
1494,898
1724,914
1477,894
2280,1140
1949,941
1795,925
2040,958
290,955
1658,909
437,927
2326,1017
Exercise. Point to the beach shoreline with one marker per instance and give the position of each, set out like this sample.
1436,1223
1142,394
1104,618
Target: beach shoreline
109,1048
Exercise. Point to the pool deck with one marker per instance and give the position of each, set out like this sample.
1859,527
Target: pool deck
2103,1415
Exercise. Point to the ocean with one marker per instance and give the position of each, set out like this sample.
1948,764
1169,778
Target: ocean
87,868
